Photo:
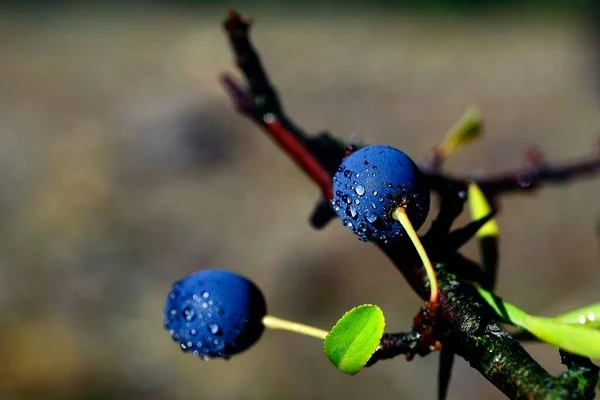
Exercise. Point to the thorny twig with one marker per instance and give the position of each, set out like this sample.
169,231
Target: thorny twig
466,324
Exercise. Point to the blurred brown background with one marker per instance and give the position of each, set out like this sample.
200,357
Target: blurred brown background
123,167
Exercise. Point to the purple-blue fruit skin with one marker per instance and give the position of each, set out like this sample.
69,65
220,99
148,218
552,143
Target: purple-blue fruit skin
215,313
370,183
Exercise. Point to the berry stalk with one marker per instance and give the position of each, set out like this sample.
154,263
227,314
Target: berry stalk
291,326
400,215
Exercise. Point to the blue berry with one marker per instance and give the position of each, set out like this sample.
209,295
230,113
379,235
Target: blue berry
215,313
370,183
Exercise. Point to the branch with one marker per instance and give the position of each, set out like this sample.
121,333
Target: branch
467,323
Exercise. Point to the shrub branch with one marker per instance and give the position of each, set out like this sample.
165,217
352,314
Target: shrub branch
465,324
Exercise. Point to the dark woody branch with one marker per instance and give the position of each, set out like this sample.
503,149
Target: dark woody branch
465,323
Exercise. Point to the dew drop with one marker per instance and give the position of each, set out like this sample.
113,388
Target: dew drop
370,217
351,212
346,199
347,173
188,313
205,295
214,329
359,190
375,193
356,201
172,296
524,180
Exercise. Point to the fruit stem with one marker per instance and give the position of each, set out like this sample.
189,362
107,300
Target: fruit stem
400,215
282,324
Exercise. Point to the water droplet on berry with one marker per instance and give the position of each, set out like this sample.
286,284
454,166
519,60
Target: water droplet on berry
351,212
375,193
214,329
360,190
356,201
347,173
188,313
370,217
205,295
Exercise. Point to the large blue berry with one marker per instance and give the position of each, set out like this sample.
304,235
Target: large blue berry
215,313
370,183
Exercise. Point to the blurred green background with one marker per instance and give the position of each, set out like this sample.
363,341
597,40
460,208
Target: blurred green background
123,167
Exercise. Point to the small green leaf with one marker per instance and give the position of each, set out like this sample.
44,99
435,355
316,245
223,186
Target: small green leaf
354,338
479,208
466,130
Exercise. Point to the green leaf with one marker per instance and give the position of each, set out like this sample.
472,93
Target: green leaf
509,313
466,130
354,338
577,339
564,332
479,208
588,316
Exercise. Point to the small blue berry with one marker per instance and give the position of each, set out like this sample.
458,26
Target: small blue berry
215,313
370,183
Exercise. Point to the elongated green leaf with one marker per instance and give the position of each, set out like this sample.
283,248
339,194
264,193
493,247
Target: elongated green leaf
577,339
565,334
588,316
354,338
479,208
509,313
